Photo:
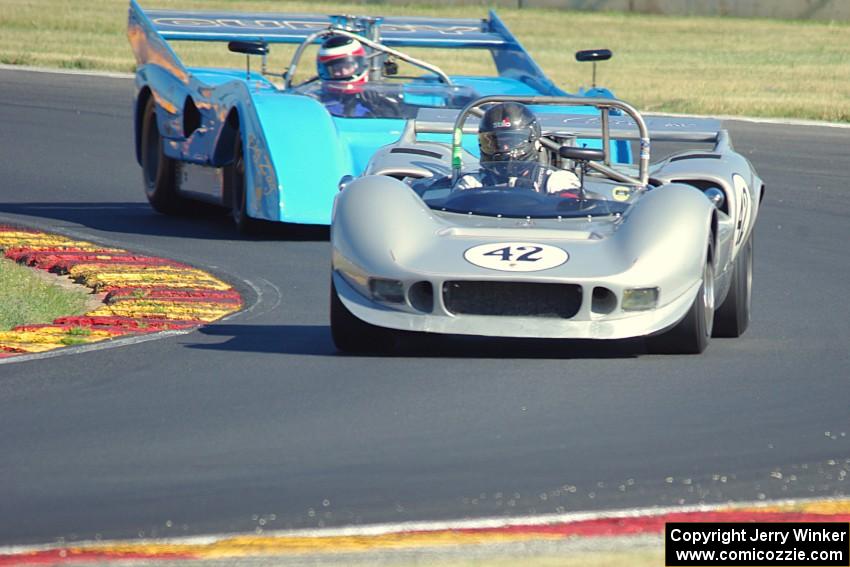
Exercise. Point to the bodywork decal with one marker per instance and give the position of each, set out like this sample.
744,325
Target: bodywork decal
516,256
264,181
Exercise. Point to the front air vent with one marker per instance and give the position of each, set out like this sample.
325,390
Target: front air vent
604,301
696,156
421,295
512,299
416,152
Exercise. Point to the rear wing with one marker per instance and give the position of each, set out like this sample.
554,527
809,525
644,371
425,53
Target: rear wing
623,127
295,28
160,26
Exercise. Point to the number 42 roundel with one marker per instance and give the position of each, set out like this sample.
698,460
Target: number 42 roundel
516,256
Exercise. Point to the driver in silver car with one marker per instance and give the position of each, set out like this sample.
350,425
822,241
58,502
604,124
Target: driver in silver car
509,141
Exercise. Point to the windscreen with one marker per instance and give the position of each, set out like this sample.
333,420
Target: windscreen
516,190
386,99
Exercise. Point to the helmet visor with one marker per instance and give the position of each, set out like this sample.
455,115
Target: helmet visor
508,142
342,68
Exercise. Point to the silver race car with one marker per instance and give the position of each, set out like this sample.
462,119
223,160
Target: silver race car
662,251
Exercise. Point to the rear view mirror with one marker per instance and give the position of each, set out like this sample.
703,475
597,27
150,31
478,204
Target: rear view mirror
593,55
390,68
344,180
248,47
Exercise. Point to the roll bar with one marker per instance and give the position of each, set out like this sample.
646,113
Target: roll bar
296,57
603,104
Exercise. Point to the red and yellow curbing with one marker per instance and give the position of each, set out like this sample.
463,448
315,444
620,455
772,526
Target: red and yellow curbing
143,294
401,537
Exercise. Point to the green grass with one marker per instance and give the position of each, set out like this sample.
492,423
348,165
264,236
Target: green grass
674,64
75,336
26,298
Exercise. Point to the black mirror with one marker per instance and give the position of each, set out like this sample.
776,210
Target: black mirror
593,55
581,154
344,180
390,68
248,47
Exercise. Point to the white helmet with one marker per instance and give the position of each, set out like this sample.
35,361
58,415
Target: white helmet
341,63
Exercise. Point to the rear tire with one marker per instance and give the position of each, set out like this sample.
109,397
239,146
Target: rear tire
160,172
355,336
733,316
692,334
235,173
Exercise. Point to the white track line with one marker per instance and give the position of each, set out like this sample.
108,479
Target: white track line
6,67
430,526
757,119
754,119
100,345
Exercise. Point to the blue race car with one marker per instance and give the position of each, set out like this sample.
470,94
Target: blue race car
277,150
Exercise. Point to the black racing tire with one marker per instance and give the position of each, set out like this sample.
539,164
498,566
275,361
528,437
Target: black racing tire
235,173
733,316
691,335
160,173
352,335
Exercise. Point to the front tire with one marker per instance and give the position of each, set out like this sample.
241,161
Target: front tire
733,316
160,172
353,335
235,173
692,334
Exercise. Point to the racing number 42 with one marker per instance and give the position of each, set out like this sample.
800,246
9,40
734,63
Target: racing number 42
506,254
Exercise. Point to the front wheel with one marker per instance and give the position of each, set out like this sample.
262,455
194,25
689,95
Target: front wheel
160,172
235,177
352,335
692,333
733,316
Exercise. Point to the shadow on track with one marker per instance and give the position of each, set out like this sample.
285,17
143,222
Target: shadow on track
284,339
315,340
208,222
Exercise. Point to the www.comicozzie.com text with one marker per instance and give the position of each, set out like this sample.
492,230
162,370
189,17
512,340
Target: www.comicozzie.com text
756,534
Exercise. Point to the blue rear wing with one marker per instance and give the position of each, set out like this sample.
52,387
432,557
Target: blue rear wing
154,28
295,28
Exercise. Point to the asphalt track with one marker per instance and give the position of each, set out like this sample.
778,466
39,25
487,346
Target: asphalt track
256,422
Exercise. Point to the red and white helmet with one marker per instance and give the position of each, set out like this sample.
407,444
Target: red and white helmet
342,64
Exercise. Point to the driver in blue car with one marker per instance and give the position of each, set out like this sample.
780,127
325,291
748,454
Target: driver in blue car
509,141
343,68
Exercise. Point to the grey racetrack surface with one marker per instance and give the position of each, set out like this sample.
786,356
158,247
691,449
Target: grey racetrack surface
257,418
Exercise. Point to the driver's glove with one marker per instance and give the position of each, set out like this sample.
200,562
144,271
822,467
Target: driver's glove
468,181
562,180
